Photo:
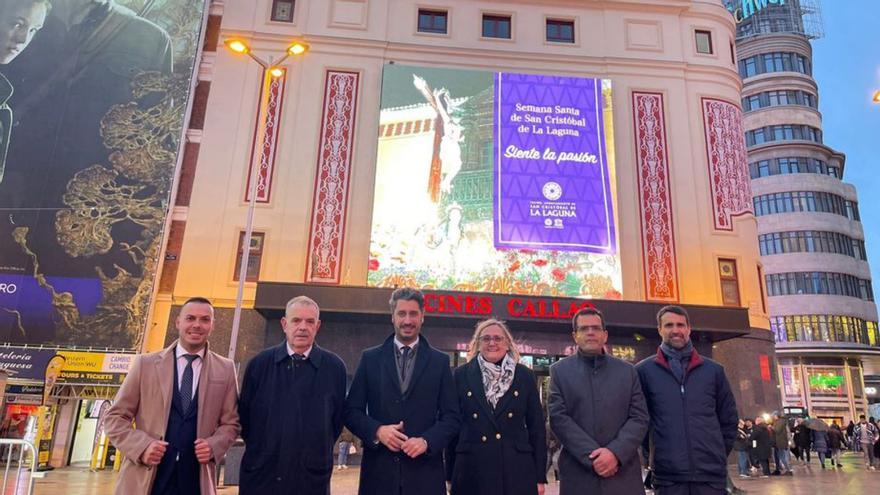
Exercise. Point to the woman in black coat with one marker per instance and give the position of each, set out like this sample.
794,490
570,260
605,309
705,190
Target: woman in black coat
501,447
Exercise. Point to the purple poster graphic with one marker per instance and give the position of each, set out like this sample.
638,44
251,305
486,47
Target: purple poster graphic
552,189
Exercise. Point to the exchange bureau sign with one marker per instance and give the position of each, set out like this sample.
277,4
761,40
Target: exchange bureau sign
743,9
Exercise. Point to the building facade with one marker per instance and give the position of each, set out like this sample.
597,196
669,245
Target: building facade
822,310
683,211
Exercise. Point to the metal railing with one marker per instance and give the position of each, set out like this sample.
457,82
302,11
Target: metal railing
24,464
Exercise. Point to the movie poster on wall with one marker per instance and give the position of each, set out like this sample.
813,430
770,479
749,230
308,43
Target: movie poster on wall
495,182
92,112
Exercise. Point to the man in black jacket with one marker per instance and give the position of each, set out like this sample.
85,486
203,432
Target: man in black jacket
291,410
692,409
403,406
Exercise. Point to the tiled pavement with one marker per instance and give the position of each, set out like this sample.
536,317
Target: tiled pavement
807,480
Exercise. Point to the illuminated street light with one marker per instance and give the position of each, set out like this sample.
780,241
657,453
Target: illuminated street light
271,71
877,97
237,46
297,48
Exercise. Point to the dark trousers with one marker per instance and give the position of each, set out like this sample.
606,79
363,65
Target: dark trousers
765,466
692,489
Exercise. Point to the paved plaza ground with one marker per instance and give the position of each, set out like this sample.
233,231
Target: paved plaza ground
807,480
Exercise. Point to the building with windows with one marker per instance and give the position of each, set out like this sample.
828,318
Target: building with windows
348,127
822,310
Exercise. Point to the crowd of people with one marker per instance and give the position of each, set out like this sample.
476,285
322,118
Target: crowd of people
424,429
759,441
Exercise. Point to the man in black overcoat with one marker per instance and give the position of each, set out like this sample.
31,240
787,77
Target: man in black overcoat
403,406
291,410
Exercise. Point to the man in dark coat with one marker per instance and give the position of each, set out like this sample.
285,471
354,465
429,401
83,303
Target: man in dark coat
598,413
692,409
402,405
291,410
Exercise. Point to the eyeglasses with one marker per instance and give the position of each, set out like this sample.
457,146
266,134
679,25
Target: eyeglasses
491,339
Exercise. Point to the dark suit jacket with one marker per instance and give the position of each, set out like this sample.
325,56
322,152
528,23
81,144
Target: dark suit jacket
289,427
428,409
502,450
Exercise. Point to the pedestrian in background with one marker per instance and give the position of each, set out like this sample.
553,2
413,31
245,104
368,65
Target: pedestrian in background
849,436
692,411
803,440
864,435
741,447
502,445
291,409
762,445
345,447
820,443
835,443
780,445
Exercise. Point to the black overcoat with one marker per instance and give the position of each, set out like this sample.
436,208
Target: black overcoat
428,409
289,430
501,450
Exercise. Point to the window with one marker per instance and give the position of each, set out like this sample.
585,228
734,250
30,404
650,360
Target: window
704,42
254,258
821,283
282,10
496,26
774,62
729,282
559,31
433,21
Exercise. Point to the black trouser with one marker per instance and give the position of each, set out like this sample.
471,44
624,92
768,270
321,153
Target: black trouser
692,489
765,466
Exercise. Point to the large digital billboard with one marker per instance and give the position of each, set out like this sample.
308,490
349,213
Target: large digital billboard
495,182
92,101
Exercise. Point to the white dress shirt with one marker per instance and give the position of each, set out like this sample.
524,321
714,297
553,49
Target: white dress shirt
291,352
196,366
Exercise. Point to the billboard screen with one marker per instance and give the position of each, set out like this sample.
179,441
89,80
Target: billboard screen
495,182
93,102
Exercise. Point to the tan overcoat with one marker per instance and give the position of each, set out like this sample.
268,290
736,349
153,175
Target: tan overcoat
139,415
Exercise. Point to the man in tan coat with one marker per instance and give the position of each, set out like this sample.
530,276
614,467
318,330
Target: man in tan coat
175,415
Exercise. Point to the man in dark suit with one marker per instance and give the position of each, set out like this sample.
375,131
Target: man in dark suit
291,410
403,406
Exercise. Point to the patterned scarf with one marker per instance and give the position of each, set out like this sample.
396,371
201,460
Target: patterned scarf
496,378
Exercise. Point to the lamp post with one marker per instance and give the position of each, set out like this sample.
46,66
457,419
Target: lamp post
271,71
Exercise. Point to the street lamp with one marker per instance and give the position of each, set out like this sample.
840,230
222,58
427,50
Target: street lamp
271,71
876,96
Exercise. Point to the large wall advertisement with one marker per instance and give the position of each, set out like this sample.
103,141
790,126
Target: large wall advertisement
495,182
93,97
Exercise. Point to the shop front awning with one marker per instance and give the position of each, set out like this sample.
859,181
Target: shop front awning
540,313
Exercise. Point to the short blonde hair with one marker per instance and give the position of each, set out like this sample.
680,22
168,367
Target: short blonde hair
474,348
